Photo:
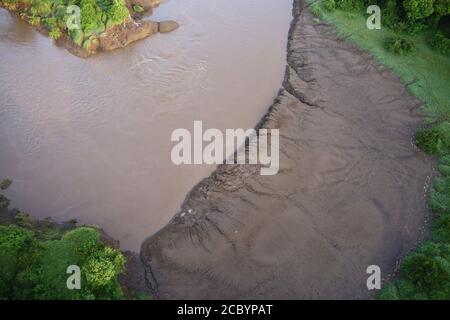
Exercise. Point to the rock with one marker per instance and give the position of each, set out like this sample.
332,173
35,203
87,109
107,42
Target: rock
122,35
154,3
167,26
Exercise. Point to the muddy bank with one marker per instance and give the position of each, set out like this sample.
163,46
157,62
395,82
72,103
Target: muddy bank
350,191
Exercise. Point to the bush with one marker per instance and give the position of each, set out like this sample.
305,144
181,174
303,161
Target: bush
442,185
330,5
55,33
315,9
427,140
434,140
13,243
389,292
35,21
138,9
441,229
102,268
418,9
41,8
5,183
440,43
90,16
77,37
36,269
439,202
390,14
349,5
399,45
437,113
442,7
117,13
428,270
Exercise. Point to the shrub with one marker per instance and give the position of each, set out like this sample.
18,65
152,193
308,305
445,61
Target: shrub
13,241
36,269
442,184
50,23
105,5
418,9
34,21
435,139
117,13
390,14
439,202
444,170
437,112
428,270
349,5
90,16
442,7
41,8
389,292
77,36
5,183
427,140
4,202
440,43
399,45
330,5
315,9
102,268
441,229
55,33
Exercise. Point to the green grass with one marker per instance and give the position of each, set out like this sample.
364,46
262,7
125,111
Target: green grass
427,72
425,273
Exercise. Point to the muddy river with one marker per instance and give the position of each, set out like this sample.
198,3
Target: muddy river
90,139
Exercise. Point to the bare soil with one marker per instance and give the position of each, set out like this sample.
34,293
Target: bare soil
350,192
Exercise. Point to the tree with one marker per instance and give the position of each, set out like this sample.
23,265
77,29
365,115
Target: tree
418,9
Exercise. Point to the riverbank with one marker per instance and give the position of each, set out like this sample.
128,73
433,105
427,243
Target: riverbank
101,29
35,256
350,192
425,71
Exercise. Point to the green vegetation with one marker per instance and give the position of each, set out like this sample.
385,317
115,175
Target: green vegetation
414,43
399,45
5,183
440,43
138,9
35,255
96,16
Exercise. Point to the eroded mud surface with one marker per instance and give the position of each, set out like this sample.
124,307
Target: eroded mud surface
350,192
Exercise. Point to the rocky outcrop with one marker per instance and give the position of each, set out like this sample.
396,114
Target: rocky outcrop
349,193
167,26
123,35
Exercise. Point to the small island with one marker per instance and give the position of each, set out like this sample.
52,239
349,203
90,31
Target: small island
86,27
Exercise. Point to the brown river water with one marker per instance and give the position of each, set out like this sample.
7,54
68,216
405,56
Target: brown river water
90,139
